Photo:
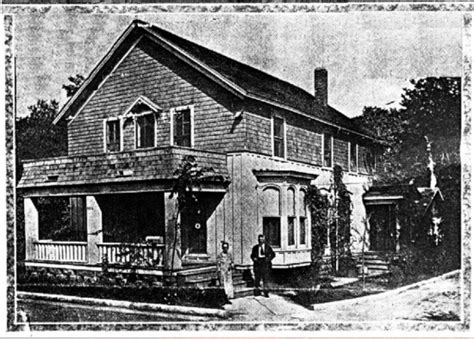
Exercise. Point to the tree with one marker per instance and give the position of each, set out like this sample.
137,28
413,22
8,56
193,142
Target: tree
431,109
430,112
75,81
36,138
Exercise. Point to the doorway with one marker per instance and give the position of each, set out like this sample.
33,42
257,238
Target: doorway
382,233
194,223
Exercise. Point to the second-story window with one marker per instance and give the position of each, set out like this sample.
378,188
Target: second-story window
327,150
182,127
371,161
278,137
112,131
353,157
145,127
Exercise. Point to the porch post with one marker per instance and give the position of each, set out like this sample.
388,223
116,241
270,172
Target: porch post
31,228
397,230
94,230
172,236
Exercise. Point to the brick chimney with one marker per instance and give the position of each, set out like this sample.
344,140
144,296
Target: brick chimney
321,86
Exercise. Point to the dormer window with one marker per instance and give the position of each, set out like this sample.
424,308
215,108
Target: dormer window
143,112
112,135
182,126
145,129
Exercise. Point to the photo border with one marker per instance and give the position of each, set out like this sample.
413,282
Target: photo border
466,160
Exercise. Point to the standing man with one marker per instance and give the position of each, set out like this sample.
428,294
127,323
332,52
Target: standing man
262,256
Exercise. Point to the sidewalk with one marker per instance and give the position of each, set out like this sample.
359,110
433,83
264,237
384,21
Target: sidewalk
430,300
259,309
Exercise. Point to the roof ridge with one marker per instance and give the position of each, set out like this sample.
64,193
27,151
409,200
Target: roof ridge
227,57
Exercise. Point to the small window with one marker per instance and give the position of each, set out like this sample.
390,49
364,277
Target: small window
278,137
327,150
182,127
291,231
271,230
352,157
113,135
302,230
145,131
370,160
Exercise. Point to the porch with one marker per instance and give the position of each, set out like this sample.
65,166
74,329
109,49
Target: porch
116,211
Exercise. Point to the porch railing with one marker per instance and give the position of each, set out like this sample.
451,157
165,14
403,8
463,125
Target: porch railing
66,251
150,255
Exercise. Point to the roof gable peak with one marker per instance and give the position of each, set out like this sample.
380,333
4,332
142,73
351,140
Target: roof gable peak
141,101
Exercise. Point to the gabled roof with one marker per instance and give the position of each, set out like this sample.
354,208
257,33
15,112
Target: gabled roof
241,79
422,197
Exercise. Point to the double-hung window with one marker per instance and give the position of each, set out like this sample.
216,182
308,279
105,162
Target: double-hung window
272,230
145,129
353,165
303,227
291,230
327,150
278,137
182,127
112,135
371,161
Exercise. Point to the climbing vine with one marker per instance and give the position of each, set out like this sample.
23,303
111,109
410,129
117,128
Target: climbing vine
342,219
330,211
318,205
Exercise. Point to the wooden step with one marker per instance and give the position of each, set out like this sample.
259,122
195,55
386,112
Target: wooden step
243,292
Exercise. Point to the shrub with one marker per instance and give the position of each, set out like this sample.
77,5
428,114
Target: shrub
347,266
412,263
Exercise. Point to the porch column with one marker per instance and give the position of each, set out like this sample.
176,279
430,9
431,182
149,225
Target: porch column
397,230
94,230
172,235
31,228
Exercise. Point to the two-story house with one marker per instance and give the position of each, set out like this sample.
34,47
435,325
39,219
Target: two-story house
156,97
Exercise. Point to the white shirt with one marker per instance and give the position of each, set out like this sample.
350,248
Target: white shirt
261,251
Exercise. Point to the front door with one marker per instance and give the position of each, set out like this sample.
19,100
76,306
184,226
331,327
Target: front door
194,231
382,233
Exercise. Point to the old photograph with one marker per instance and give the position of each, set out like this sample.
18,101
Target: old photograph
237,169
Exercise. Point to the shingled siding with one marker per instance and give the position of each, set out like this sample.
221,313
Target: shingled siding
303,145
258,134
169,83
341,155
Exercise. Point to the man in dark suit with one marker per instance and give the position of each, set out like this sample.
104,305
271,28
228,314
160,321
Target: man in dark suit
262,256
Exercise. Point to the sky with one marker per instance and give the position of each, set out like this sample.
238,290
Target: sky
370,56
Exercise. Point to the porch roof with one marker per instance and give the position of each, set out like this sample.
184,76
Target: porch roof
114,168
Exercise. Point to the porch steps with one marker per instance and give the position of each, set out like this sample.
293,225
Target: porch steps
200,277
242,284
375,262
